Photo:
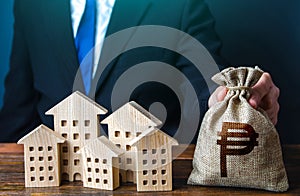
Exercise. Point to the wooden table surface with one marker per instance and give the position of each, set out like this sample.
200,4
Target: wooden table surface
12,177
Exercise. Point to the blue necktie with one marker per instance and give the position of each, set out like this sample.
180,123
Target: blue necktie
84,42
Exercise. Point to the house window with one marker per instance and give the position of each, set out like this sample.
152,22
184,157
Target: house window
88,159
118,145
32,169
87,136
154,161
144,162
128,147
49,148
104,161
163,151
42,178
76,149
153,151
164,182
75,136
65,162
97,180
65,149
31,158
145,182
41,148
89,179
63,123
154,182
65,135
50,158
31,149
105,181
154,172
41,168
51,178
145,172
127,134
89,169
76,162
129,161
138,133
104,171
75,123
32,179
117,133
87,123
144,151
163,172
50,168
163,161
41,158
97,170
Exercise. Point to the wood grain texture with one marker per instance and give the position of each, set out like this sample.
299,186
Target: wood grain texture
12,177
125,124
42,157
76,118
154,160
101,164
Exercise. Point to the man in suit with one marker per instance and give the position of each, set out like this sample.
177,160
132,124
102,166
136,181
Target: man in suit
44,59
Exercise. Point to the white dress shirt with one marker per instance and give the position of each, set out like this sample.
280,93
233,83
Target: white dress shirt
104,10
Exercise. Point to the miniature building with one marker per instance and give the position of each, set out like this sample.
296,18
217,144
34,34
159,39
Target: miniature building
154,160
76,119
125,124
41,157
101,164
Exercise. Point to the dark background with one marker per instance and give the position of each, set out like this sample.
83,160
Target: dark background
254,32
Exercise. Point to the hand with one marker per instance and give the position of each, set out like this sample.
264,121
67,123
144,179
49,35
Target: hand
217,96
264,94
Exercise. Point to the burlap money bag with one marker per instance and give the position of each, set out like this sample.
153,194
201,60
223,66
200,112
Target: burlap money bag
237,145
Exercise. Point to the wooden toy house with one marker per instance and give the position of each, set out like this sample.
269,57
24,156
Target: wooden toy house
125,124
154,160
101,164
42,157
76,118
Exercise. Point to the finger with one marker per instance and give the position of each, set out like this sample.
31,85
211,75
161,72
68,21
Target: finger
217,96
265,95
222,93
260,90
270,99
273,113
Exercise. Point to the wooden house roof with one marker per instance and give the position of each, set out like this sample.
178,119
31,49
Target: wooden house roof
130,113
102,144
77,98
40,134
149,132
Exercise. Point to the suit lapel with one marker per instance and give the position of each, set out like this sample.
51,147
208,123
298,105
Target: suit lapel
126,14
60,36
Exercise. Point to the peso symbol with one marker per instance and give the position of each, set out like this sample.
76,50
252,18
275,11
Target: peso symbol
244,142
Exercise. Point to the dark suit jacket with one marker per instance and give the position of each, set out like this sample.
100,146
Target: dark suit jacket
44,62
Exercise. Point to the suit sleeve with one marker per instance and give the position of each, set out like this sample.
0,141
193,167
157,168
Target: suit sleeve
198,21
18,114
